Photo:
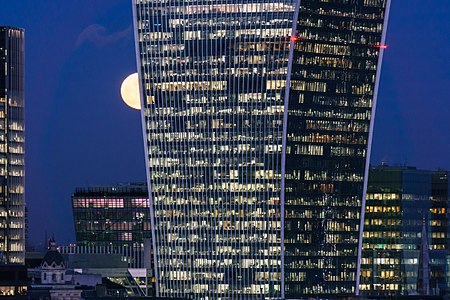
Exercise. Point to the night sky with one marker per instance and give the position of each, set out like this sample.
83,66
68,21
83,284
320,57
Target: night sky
80,133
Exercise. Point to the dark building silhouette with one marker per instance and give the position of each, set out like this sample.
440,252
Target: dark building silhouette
13,282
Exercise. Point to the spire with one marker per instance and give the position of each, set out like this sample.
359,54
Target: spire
52,244
423,278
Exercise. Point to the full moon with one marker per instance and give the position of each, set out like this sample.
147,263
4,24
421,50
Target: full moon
130,91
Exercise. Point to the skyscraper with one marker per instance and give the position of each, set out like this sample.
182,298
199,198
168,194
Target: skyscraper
257,120
12,140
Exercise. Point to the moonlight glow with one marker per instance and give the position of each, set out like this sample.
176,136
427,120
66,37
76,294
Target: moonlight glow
130,91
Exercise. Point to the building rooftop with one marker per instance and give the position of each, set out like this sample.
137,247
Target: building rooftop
120,188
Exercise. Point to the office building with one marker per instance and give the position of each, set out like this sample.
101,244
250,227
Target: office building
113,233
257,120
406,241
12,141
113,216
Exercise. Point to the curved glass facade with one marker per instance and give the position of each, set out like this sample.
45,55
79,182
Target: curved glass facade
256,117
214,75
330,109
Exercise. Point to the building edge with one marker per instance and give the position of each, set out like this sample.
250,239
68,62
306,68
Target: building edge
284,142
144,136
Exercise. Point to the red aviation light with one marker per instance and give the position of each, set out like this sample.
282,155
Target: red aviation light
294,38
381,46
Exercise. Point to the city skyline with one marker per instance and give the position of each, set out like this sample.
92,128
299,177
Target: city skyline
403,52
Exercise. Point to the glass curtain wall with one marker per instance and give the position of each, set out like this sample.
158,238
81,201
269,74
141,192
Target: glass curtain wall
333,84
12,146
235,177
214,79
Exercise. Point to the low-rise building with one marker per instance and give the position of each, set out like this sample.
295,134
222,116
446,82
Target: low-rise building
53,281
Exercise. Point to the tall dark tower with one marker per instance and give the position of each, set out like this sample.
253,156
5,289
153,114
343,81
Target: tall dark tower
257,119
12,142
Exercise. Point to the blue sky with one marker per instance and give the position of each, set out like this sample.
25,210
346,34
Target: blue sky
79,132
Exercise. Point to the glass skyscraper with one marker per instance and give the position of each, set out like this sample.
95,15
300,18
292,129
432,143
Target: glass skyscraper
404,206
257,120
12,142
